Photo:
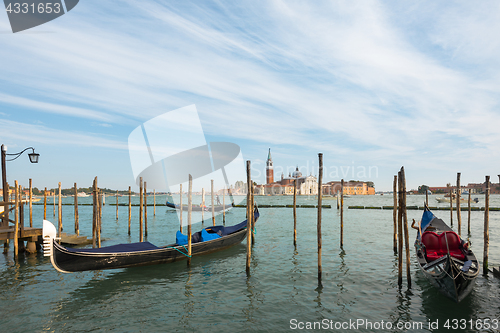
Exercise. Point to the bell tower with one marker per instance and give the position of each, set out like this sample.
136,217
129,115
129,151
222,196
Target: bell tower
269,169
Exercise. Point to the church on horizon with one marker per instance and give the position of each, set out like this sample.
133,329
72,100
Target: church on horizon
306,185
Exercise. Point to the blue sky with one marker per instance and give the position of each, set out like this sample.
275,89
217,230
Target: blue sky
373,85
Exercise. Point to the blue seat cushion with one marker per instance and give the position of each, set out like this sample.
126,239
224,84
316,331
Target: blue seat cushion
181,239
206,236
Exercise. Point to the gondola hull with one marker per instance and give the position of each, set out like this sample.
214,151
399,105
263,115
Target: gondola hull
453,277
69,260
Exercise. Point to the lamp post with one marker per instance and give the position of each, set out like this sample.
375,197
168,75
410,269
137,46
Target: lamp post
33,159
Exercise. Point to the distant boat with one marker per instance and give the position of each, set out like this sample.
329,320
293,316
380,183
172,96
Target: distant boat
82,194
210,239
444,258
462,200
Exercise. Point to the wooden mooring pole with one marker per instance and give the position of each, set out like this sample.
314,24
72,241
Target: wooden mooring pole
224,206
117,205
154,202
295,212
129,208
54,197
94,212
486,226
140,210
395,213
202,206
145,210
99,216
31,204
451,205
320,197
77,222
459,213
45,204
190,210
252,205
180,205
400,230
16,219
249,222
405,229
427,197
342,213
468,216
59,210
212,196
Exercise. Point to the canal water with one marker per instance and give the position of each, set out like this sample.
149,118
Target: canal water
359,291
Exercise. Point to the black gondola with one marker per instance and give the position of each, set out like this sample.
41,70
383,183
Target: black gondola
69,260
445,258
217,208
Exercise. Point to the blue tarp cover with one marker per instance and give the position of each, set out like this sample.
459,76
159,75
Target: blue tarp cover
426,219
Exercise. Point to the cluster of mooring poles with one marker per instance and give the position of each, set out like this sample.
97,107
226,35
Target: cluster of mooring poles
15,203
400,222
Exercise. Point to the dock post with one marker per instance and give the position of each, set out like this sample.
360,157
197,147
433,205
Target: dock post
45,204
395,213
117,205
400,230
77,224
16,220
224,206
405,229
54,197
154,202
212,196
140,210
59,210
129,208
468,217
190,209
31,204
249,223
459,213
145,210
342,213
320,197
486,226
295,212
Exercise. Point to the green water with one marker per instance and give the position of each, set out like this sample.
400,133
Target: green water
281,293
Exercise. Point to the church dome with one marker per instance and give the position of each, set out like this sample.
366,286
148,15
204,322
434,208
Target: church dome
297,173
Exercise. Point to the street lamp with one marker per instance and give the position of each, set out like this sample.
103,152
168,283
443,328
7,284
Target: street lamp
33,159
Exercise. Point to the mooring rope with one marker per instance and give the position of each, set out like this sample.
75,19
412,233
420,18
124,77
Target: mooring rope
171,247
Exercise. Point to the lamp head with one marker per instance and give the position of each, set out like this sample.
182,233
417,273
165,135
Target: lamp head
33,157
